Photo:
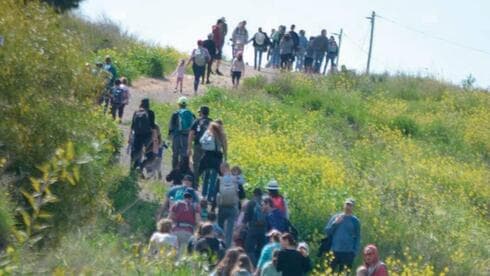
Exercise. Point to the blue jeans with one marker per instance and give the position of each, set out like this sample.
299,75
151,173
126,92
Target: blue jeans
209,184
198,73
228,215
317,61
258,57
300,58
276,57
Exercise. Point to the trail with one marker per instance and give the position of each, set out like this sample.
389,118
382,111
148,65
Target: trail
162,91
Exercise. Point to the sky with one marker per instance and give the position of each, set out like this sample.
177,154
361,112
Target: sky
409,36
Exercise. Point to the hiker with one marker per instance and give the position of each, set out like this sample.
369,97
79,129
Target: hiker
260,42
152,162
301,50
219,32
309,54
239,38
290,261
332,53
176,175
227,264
278,200
179,73
294,36
286,49
275,218
320,45
214,144
217,230
208,244
176,194
125,88
179,128
162,239
237,69
236,171
270,268
269,52
372,265
211,47
141,131
268,250
109,67
185,217
199,58
276,52
256,221
227,202
243,266
345,230
117,100
199,126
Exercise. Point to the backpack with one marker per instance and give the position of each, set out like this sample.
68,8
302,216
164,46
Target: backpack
202,126
259,218
185,214
228,191
117,95
279,203
332,47
208,143
141,122
185,120
178,196
260,38
278,221
200,58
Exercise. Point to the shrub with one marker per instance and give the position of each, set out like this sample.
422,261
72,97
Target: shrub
406,125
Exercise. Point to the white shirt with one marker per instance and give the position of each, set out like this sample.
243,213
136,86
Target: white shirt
161,240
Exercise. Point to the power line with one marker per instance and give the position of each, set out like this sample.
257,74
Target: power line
454,43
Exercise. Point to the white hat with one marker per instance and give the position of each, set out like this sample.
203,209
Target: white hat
304,245
273,185
182,101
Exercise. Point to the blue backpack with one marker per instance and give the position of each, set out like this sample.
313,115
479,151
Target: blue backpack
259,218
186,118
117,95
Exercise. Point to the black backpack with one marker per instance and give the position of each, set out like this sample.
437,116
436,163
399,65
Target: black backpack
141,122
117,95
202,126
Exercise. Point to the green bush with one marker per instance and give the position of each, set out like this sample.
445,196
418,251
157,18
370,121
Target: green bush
406,125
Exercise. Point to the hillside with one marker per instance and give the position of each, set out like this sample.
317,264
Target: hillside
413,152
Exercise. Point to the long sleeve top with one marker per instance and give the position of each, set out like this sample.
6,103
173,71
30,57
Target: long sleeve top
346,235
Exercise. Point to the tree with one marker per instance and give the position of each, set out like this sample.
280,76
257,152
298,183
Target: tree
468,83
63,5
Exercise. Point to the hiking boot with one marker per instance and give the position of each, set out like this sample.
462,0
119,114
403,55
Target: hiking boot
218,72
208,82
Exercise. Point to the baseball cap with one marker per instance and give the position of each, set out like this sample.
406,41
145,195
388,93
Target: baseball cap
350,201
188,177
304,245
273,185
273,232
204,110
182,100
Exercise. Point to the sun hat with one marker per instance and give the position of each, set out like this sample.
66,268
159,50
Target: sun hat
350,201
182,100
273,185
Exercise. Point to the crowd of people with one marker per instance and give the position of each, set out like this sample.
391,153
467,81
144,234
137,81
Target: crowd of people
287,50
207,212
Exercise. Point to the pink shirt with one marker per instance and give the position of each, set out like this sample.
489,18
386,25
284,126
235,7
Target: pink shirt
180,71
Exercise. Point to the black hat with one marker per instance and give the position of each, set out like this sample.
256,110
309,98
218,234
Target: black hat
204,110
188,177
188,193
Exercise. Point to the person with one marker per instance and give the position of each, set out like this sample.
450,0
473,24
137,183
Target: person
256,222
372,265
125,88
179,72
210,45
152,164
345,231
162,239
286,50
294,36
176,194
226,265
270,268
239,38
301,50
332,52
260,42
320,44
279,201
214,144
276,52
219,33
275,218
309,54
237,69
243,266
199,126
185,215
267,252
141,131
217,230
290,261
208,244
236,171
179,128
109,67
199,58
269,52
227,202
117,100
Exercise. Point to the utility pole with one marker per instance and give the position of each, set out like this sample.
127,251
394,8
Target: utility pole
338,50
372,18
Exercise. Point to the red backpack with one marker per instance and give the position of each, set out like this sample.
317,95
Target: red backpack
184,215
279,203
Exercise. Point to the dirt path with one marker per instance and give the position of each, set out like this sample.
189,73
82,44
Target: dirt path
162,91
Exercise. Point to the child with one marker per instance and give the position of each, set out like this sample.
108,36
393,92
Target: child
237,69
236,171
162,239
180,75
270,268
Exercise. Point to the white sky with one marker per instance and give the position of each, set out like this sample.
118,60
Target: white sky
181,23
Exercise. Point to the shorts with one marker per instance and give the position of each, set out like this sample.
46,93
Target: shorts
287,57
236,74
308,61
180,78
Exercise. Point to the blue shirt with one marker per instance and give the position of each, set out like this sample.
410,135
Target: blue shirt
176,193
346,235
266,254
303,42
